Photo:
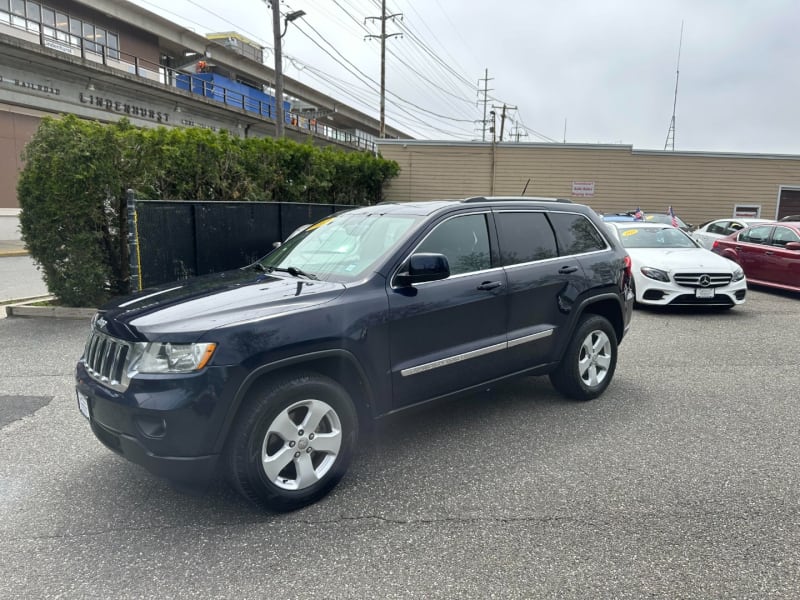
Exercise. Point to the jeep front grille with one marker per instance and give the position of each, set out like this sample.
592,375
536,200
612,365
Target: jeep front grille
106,360
693,279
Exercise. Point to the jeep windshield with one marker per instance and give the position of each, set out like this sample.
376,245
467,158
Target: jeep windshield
341,248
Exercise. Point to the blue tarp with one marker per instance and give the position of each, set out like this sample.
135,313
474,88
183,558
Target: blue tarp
233,93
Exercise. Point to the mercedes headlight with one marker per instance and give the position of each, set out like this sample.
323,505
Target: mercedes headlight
160,357
656,274
738,275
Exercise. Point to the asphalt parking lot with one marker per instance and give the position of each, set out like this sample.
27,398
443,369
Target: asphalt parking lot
682,481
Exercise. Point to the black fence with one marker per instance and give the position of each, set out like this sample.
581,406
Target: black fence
177,239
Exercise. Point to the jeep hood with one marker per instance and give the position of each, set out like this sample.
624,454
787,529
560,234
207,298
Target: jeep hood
203,303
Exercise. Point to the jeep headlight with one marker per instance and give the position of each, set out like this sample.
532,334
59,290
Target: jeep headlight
656,274
738,275
160,357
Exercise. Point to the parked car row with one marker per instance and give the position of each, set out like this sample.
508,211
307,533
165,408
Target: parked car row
671,268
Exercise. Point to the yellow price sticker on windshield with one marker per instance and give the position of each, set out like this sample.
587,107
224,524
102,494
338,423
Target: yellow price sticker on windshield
320,224
630,232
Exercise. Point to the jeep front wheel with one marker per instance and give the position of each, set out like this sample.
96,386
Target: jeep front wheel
293,442
588,364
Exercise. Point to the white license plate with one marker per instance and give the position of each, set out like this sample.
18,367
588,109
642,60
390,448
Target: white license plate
83,404
704,292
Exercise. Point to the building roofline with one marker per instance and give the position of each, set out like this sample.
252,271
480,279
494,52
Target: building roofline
556,145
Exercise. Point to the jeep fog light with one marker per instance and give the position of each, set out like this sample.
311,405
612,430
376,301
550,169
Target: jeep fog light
171,358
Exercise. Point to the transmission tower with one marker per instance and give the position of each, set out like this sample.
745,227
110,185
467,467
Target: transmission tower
485,91
670,142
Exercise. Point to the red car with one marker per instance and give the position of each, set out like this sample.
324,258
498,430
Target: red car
769,253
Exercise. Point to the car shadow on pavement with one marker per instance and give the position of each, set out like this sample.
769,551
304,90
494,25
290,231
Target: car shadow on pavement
525,408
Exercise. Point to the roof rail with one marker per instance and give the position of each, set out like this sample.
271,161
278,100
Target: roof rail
514,199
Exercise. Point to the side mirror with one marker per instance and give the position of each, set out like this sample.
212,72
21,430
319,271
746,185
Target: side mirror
792,246
423,267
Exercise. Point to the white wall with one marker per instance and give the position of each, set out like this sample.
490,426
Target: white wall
9,224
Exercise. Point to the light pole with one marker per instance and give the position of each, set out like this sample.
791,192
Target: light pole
277,36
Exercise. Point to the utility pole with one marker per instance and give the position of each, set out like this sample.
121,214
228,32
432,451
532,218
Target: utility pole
277,35
517,133
383,37
503,117
485,91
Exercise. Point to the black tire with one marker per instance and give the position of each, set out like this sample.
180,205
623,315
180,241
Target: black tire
588,365
271,456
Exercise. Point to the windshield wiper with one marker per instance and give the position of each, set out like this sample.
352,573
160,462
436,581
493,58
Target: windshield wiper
293,271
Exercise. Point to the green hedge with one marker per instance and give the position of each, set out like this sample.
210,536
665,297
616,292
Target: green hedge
72,189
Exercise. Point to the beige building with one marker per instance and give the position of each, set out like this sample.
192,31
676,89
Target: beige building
699,186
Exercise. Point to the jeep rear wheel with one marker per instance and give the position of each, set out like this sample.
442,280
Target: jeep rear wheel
293,442
588,364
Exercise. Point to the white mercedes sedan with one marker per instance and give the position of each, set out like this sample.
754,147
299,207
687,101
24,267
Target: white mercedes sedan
671,268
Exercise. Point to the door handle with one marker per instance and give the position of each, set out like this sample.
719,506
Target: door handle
769,253
567,270
489,285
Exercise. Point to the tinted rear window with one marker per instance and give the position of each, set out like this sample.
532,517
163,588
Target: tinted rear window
525,237
576,234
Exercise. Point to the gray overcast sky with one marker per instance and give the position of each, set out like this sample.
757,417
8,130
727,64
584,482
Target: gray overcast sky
584,71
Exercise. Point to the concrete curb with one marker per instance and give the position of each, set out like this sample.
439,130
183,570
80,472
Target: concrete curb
23,308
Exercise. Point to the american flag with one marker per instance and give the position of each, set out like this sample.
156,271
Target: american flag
674,218
638,215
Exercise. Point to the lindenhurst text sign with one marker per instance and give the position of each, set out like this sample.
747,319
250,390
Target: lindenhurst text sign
126,108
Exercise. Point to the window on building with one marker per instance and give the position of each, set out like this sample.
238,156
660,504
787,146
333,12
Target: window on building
33,11
48,17
62,27
62,22
100,37
75,26
18,13
88,37
4,5
113,45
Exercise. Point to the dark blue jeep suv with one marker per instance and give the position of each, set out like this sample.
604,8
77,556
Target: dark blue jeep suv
268,371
